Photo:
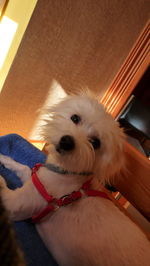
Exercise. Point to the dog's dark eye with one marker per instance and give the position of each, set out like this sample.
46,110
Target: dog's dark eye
96,143
76,119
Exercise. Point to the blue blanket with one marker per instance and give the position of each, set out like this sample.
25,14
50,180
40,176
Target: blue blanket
22,151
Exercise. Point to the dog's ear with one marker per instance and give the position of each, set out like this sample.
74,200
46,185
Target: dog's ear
117,163
112,160
56,94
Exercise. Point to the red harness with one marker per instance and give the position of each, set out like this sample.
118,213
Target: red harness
53,203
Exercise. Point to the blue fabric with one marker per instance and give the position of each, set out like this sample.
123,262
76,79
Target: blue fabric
14,146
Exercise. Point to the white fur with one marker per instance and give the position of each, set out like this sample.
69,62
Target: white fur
91,231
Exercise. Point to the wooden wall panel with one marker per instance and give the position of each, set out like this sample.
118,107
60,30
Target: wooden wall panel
135,184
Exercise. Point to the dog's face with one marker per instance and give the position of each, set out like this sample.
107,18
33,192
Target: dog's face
81,136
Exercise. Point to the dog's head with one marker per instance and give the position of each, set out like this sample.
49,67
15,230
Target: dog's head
81,136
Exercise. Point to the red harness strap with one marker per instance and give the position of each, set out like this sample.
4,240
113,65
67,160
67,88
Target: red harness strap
53,203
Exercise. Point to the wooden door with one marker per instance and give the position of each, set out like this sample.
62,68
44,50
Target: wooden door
135,184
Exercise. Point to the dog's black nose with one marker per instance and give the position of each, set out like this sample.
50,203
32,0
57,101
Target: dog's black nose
66,143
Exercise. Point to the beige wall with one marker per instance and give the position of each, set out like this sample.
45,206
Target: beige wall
76,43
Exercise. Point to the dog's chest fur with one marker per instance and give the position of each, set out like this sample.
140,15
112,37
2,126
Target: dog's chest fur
88,228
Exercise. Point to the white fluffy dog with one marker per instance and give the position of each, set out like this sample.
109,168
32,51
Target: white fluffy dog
84,143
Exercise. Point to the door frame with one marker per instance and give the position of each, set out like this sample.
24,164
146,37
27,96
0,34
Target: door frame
129,75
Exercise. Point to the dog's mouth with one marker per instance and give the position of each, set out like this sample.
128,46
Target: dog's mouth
65,145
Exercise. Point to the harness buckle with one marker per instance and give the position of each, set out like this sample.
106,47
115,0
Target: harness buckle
68,199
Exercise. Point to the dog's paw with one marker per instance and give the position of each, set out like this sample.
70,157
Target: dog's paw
2,182
3,160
